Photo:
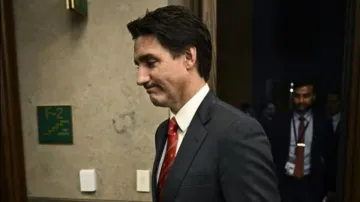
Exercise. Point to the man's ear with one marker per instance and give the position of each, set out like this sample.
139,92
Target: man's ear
190,57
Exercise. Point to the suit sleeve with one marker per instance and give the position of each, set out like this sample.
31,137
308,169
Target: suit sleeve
247,171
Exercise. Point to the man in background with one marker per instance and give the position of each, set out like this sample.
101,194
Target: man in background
334,108
334,113
267,115
300,144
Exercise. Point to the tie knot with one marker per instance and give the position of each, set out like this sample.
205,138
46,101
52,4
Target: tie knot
302,118
172,126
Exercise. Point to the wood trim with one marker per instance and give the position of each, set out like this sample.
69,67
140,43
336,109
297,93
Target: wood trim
234,83
12,169
208,10
352,106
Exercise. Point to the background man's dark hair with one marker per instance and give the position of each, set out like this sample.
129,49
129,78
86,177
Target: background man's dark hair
177,29
304,82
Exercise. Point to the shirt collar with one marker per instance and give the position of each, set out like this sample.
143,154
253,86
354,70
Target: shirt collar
307,115
337,116
187,112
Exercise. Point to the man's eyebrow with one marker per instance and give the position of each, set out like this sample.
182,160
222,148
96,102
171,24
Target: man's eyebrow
144,58
297,93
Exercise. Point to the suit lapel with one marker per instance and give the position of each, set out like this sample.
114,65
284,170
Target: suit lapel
287,132
316,131
191,144
161,135
318,137
188,149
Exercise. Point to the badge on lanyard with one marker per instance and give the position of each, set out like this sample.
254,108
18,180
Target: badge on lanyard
290,168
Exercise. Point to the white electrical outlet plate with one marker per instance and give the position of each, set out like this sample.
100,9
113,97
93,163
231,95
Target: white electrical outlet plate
143,180
87,180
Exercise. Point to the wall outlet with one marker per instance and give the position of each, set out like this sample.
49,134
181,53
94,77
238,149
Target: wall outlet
87,180
143,180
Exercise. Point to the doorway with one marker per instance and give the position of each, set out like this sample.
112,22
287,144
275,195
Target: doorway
273,43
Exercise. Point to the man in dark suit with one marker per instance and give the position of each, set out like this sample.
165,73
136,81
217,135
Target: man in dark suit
207,150
334,113
300,143
268,111
333,106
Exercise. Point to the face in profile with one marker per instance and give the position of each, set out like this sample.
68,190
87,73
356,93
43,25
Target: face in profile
303,98
161,74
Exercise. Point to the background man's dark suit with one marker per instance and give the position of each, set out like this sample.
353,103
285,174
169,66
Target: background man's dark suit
225,156
333,158
279,136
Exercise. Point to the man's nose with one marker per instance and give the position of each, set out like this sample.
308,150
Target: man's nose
143,76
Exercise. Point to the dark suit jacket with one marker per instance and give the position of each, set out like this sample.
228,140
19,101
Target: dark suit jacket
334,157
279,136
225,156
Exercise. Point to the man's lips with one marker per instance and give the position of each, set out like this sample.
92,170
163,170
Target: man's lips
150,89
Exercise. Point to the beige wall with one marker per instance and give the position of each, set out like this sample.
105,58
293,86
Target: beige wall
64,60
181,2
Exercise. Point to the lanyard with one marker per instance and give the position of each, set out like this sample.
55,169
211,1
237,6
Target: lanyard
295,131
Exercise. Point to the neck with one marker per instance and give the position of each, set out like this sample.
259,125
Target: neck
302,113
336,113
190,89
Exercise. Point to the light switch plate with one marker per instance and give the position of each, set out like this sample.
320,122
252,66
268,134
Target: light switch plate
143,180
88,180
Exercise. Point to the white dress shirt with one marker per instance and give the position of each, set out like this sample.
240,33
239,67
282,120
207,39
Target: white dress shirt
335,120
184,118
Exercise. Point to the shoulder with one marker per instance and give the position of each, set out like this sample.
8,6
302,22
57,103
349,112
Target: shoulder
234,120
241,136
283,116
320,115
321,118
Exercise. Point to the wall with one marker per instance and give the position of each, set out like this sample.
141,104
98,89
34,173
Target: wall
178,2
64,59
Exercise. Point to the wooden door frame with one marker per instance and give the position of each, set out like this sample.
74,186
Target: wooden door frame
12,168
207,11
349,157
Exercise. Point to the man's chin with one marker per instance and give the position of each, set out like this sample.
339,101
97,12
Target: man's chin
302,110
157,102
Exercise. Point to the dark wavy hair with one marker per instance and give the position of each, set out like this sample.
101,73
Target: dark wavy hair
177,29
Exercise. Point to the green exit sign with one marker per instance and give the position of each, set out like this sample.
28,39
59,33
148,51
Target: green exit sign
79,6
55,124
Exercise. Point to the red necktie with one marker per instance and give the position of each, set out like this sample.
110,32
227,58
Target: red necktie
172,140
300,148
